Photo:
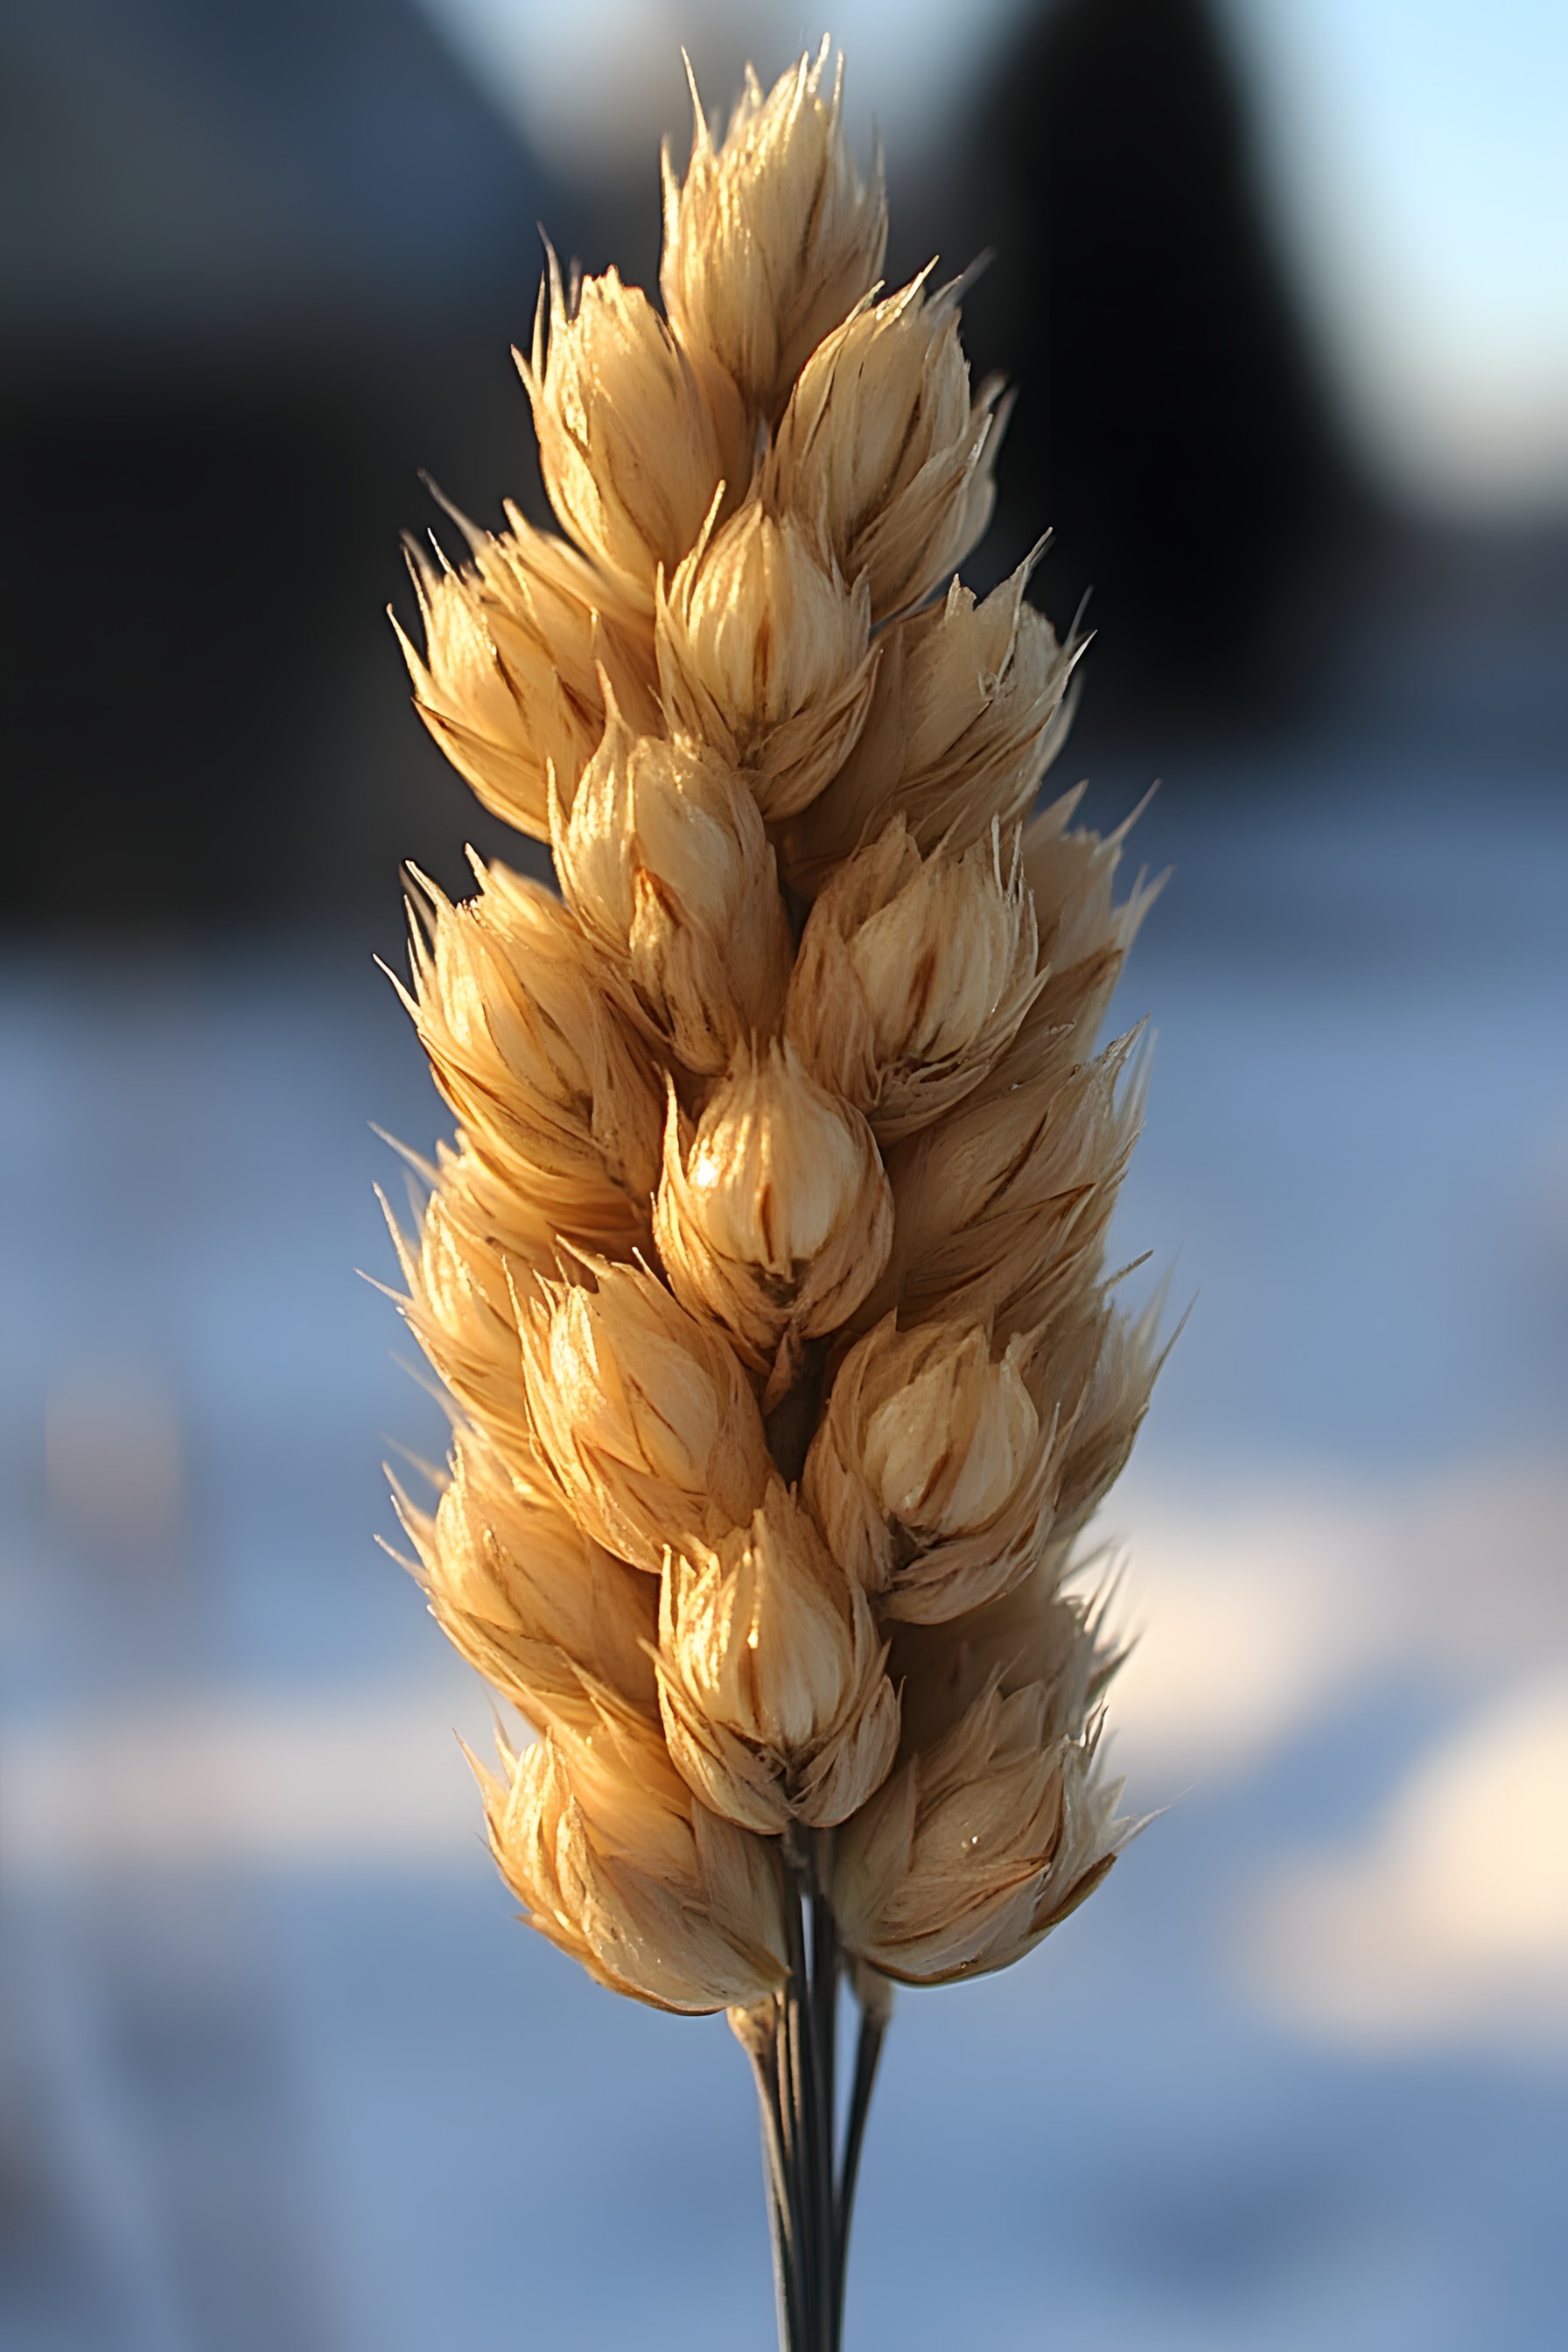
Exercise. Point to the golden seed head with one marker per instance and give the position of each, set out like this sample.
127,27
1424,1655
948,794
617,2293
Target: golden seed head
784,1153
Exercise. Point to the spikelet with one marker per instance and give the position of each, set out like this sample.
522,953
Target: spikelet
547,1615
665,861
613,1860
767,654
774,1219
883,451
517,655
913,974
933,1473
772,238
771,1674
766,1270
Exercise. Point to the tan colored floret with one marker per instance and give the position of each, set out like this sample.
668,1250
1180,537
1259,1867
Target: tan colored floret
766,1272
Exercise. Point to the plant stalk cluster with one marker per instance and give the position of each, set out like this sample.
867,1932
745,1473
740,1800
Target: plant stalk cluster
811,2148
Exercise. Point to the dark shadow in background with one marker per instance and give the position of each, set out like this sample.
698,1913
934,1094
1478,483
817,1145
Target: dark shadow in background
260,263
1170,427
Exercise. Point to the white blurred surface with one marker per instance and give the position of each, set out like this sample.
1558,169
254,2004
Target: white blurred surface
280,2066
1447,1918
277,2066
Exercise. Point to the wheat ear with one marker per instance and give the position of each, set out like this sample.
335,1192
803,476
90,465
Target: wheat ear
765,1271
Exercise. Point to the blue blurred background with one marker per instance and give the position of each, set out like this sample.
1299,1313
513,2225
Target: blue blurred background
1281,282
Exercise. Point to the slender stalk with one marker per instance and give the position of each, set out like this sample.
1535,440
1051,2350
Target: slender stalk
867,2052
787,2113
761,2043
822,1989
811,2178
806,2086
825,1968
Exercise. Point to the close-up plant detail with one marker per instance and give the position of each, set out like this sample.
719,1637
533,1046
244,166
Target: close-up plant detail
765,1272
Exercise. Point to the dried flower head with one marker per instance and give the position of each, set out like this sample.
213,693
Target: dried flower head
665,861
517,652
772,237
883,450
767,654
774,1218
766,1270
771,1677
615,1861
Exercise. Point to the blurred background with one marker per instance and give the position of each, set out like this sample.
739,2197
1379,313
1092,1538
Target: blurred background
1280,282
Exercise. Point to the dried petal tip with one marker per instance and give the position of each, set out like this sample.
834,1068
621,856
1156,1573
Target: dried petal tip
772,238
775,1703
774,1218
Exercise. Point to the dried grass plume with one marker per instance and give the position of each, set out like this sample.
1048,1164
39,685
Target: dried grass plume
765,1270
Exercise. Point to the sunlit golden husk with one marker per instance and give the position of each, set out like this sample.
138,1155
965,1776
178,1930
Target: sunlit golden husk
766,1273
